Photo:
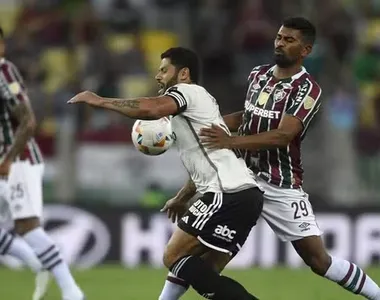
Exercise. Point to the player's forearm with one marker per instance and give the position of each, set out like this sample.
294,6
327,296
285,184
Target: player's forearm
132,108
233,121
24,132
187,192
265,140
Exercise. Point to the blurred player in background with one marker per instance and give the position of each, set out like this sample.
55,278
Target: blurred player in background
21,168
281,101
219,222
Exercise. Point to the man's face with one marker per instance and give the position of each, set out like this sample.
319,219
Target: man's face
289,47
167,76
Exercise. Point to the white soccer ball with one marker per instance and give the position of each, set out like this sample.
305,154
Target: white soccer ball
152,137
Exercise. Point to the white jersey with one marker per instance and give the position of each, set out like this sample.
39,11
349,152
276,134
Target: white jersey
211,170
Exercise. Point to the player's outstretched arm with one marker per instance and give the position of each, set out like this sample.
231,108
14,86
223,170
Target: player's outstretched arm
216,138
145,108
234,120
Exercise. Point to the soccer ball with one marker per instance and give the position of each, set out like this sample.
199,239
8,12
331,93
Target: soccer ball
152,137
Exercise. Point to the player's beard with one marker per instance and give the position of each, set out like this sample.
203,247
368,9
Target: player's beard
163,87
283,61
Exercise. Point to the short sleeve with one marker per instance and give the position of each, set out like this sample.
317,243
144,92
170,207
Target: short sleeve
181,95
306,102
12,86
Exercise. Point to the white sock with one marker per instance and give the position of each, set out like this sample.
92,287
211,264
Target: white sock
14,246
51,259
352,278
174,288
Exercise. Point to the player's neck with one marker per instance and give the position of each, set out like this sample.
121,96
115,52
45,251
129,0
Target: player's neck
283,73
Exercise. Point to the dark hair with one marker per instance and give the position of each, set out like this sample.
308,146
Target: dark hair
1,33
306,28
184,58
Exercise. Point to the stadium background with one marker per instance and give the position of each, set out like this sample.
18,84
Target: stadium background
102,197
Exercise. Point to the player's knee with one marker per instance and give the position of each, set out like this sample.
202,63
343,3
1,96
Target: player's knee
217,260
23,226
319,263
170,256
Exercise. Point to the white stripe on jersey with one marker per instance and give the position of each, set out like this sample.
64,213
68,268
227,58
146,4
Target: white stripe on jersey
201,217
305,96
219,202
179,97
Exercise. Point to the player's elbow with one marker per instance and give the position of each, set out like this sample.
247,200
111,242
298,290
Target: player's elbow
284,138
151,114
154,113
31,126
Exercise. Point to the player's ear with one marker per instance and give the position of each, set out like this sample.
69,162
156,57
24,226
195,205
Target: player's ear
184,74
307,50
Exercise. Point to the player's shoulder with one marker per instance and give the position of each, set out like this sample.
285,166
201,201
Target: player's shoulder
306,85
264,68
7,63
8,66
187,88
308,80
261,69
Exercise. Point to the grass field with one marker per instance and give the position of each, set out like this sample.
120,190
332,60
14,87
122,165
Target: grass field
116,283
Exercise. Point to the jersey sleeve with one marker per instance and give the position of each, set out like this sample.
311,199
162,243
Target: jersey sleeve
13,88
257,70
182,96
306,102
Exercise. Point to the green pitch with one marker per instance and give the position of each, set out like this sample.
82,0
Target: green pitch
116,283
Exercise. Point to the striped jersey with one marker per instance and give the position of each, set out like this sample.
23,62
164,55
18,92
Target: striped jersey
13,92
267,101
212,171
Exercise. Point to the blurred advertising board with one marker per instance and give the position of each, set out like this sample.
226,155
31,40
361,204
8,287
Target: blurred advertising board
132,237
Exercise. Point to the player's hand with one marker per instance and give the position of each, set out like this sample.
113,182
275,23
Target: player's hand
5,167
85,97
215,137
175,209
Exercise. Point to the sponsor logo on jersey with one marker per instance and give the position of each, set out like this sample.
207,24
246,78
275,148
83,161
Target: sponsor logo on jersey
302,92
308,103
224,233
265,113
15,88
198,208
263,98
304,226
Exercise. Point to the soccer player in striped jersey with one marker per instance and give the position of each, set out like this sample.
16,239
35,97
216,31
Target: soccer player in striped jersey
21,163
280,103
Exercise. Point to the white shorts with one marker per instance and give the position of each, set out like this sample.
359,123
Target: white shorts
288,212
25,190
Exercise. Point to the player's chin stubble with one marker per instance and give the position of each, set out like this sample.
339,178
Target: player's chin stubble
282,61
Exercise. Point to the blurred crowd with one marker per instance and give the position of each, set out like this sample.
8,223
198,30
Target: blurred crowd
112,47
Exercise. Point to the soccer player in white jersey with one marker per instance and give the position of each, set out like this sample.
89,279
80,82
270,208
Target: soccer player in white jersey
21,167
219,221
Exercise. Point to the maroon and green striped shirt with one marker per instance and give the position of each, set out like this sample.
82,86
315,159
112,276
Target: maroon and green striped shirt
13,92
267,101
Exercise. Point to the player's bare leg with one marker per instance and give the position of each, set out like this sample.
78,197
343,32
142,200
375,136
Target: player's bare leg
182,258
49,255
343,272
